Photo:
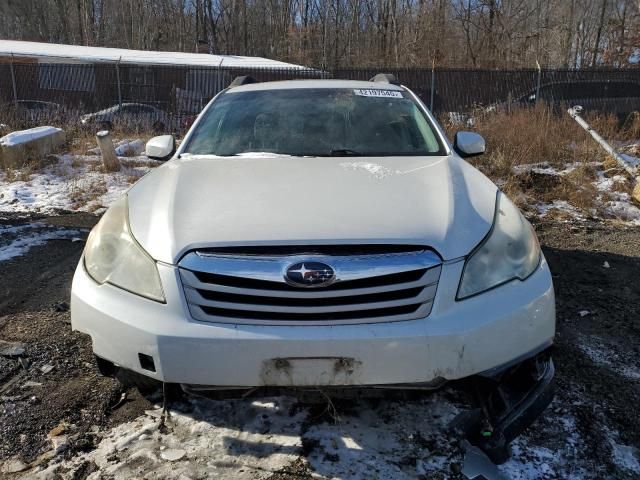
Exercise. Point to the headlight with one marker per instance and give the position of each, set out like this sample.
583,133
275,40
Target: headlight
509,251
113,256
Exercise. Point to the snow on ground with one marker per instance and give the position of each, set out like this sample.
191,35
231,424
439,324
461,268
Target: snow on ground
544,168
559,206
612,202
234,439
76,183
602,353
25,136
627,457
125,148
631,160
619,204
630,152
16,240
72,183
251,439
394,441
530,460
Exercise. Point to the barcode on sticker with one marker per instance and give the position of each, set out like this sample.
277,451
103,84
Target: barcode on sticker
371,92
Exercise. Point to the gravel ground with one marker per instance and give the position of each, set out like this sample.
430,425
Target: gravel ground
62,421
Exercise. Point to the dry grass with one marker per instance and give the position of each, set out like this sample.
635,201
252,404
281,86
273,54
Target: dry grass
84,192
126,162
81,139
521,137
537,135
525,136
32,161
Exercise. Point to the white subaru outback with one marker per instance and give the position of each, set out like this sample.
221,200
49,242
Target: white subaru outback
320,234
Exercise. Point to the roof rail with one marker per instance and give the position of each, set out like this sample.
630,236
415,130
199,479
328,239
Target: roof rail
385,78
242,80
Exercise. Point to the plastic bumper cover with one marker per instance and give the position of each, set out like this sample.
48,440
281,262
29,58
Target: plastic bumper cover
457,340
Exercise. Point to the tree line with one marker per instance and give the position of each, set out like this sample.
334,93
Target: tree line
345,33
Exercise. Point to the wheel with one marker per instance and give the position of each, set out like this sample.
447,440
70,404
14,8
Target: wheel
158,127
105,367
106,126
144,384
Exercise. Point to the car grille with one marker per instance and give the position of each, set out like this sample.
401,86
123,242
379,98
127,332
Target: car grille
250,288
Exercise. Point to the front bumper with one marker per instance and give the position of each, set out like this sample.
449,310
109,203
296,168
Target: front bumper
456,340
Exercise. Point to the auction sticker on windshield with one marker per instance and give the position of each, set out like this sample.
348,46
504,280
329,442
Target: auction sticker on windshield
370,92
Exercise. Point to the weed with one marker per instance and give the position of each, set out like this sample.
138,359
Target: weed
538,135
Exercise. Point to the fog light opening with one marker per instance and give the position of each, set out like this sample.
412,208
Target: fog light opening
146,362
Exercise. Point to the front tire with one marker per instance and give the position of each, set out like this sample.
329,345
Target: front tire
144,384
105,367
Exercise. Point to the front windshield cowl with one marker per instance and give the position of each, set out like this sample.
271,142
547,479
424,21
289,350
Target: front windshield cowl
315,122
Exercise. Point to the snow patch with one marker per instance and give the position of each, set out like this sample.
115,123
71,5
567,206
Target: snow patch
73,183
622,208
374,169
619,204
545,168
25,136
258,154
542,168
396,441
606,184
598,352
537,463
251,439
612,202
233,439
18,240
559,205
630,160
626,456
125,148
130,148
245,439
531,461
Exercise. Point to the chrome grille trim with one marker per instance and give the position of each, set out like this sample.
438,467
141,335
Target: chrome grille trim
195,298
188,278
251,289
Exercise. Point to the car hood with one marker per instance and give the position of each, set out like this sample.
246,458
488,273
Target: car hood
204,201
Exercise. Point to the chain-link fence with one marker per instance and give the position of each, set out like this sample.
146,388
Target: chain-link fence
184,90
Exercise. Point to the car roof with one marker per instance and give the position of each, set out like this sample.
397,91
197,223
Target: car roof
134,104
40,102
296,84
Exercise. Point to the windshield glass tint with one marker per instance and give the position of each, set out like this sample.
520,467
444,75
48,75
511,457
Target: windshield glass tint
315,122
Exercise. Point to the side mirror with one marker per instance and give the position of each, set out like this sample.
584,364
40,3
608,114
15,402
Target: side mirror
468,144
161,148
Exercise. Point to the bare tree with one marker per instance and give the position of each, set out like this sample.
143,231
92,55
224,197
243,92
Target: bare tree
341,33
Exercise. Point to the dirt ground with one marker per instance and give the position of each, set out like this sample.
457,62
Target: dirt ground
595,266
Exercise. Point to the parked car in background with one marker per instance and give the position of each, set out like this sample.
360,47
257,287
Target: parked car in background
619,97
33,113
130,114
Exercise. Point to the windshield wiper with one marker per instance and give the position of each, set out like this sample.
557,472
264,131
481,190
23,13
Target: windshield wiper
344,152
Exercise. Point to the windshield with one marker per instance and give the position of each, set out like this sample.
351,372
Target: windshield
315,122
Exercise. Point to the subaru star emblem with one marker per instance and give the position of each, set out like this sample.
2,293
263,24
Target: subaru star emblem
309,274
